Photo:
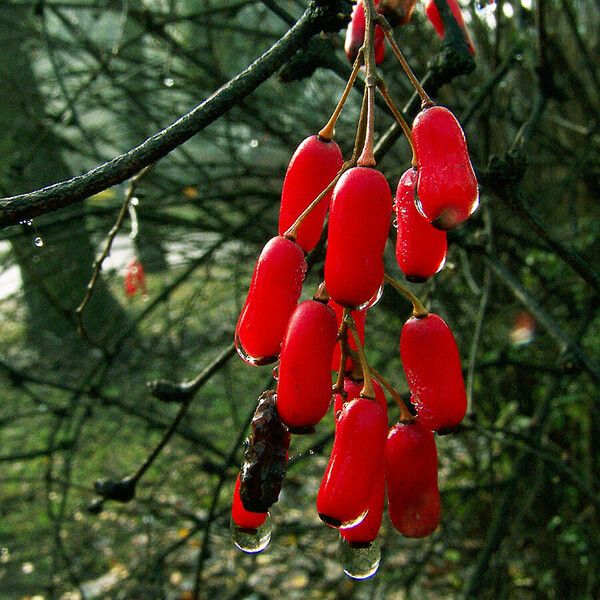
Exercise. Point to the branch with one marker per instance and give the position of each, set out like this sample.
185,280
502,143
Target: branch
26,206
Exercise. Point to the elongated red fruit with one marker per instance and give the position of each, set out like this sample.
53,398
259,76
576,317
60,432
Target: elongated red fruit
414,502
420,247
355,34
436,20
304,386
243,518
359,222
432,366
360,317
348,482
273,295
366,531
312,168
447,191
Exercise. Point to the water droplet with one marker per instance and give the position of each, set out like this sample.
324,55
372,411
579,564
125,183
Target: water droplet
395,222
360,561
442,263
169,82
251,360
38,241
372,301
135,201
253,143
475,204
508,10
252,540
276,372
311,451
355,522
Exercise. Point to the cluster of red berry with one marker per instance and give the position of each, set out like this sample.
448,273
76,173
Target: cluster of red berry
314,337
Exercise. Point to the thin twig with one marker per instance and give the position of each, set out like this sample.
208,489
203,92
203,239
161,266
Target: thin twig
107,246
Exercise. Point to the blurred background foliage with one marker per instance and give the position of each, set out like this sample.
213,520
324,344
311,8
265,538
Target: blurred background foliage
85,80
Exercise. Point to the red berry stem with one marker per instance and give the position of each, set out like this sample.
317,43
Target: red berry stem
367,157
419,310
425,99
312,167
328,131
405,415
321,294
367,390
338,387
398,116
292,231
361,128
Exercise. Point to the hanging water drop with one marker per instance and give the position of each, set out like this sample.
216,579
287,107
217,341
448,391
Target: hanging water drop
251,360
276,372
38,241
360,561
373,300
252,541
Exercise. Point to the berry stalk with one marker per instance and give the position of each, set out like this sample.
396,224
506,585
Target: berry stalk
367,390
292,231
328,131
398,116
367,157
405,415
343,337
419,310
425,99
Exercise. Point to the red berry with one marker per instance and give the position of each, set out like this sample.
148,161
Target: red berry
273,295
447,187
304,386
432,365
312,168
355,34
348,482
135,278
414,502
366,531
360,317
359,222
243,518
420,247
436,20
